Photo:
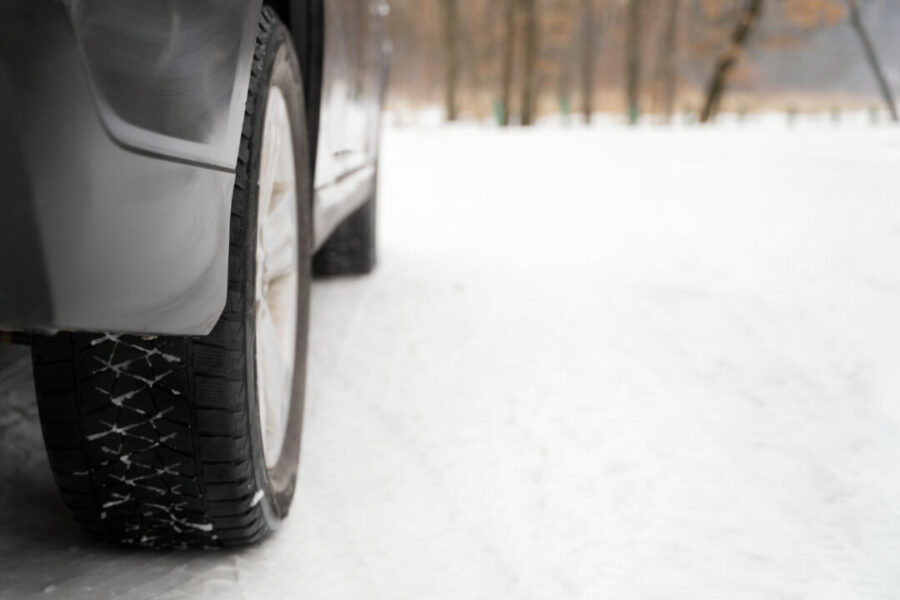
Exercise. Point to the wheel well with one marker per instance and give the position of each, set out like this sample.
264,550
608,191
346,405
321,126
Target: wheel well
306,20
282,7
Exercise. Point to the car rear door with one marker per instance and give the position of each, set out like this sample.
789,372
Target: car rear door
352,87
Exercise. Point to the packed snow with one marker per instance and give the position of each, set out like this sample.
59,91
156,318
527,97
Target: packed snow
593,363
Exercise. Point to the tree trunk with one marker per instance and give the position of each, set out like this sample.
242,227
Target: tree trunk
450,30
509,54
670,62
872,57
633,60
588,56
747,22
529,75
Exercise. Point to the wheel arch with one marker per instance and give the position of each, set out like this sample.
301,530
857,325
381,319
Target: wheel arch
306,20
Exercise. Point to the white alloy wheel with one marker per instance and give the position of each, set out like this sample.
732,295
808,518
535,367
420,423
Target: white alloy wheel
277,273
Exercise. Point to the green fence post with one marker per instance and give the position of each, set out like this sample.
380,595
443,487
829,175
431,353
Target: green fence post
499,112
634,114
565,109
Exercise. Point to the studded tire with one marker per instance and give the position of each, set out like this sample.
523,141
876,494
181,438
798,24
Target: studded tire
156,442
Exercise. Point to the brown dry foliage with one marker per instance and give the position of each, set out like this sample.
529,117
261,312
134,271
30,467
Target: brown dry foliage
704,27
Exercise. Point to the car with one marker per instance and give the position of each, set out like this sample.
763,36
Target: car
175,173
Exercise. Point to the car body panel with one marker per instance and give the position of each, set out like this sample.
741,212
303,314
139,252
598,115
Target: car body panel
352,95
176,84
121,174
123,241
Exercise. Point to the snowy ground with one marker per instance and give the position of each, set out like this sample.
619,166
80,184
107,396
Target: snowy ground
605,364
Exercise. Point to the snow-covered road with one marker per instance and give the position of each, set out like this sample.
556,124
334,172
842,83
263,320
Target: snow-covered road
607,364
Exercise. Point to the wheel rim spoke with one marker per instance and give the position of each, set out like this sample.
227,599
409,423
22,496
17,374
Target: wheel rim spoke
277,277
275,378
268,168
280,239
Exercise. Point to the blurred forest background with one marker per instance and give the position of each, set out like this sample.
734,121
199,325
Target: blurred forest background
514,61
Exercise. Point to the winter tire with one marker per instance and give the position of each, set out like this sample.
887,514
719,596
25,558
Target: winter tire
194,442
351,248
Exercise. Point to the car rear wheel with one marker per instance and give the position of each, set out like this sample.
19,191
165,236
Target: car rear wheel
351,249
194,442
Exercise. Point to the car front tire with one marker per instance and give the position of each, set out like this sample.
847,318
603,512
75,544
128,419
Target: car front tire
194,442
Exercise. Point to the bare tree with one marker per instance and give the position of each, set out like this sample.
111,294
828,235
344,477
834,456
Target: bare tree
588,58
718,83
529,74
450,30
869,49
669,60
463,54
633,44
509,54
